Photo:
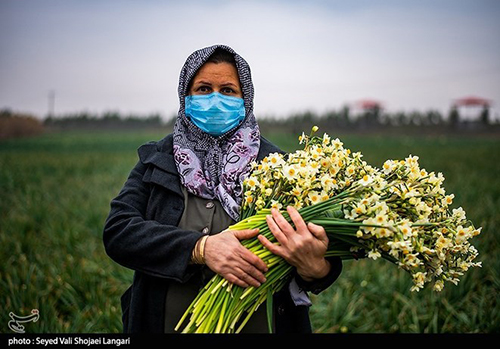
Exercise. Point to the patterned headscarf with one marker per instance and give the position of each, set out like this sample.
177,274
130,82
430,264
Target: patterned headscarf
215,167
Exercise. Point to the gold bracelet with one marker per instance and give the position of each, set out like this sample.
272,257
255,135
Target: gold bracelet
198,254
202,249
194,253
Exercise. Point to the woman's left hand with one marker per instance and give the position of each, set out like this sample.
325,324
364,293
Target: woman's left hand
303,247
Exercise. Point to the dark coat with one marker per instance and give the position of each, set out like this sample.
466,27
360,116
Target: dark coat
141,233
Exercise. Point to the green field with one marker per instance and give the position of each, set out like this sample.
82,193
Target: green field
55,193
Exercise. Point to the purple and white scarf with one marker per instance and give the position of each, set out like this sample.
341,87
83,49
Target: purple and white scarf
215,167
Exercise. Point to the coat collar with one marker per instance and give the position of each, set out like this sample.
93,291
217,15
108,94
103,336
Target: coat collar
159,154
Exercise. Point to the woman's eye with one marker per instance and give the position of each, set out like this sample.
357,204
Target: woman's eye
204,89
227,91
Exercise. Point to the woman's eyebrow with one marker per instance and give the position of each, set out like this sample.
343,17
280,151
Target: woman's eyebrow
203,82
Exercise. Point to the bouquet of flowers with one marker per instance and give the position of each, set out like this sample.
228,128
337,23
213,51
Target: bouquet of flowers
399,212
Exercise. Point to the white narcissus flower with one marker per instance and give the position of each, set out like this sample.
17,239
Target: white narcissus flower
303,138
351,170
337,143
383,232
405,229
447,200
324,195
276,204
373,254
251,182
296,191
388,166
326,139
290,172
366,180
419,277
314,197
459,214
275,160
411,161
438,285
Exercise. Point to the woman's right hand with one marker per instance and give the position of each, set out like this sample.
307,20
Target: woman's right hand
226,256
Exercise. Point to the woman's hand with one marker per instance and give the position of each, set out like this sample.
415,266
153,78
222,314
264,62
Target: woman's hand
303,247
225,255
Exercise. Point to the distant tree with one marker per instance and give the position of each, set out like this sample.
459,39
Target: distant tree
345,116
5,113
485,115
434,117
401,118
454,117
15,125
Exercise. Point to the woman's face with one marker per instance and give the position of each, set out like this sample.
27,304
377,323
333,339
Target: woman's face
216,77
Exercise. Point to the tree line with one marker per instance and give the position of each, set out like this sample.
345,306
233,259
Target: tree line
376,119
14,124
111,120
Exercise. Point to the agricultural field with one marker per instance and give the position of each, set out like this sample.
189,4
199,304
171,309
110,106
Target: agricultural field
55,193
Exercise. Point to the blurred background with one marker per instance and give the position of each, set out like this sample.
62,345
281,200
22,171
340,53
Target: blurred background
61,58
84,83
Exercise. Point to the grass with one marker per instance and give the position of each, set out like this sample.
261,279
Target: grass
55,193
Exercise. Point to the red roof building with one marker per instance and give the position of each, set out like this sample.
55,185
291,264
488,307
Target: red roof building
472,108
369,104
472,101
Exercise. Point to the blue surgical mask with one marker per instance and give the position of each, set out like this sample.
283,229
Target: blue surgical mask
215,113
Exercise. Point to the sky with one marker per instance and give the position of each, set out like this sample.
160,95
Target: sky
314,55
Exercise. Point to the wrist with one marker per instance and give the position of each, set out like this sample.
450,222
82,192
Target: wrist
318,272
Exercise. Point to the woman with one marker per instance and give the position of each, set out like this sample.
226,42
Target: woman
187,188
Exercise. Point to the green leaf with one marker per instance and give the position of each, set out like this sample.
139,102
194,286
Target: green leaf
269,309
